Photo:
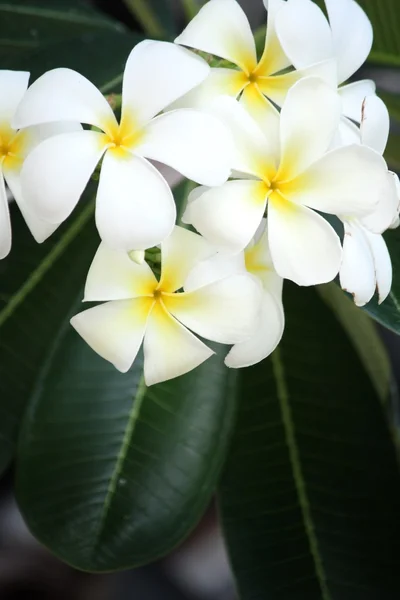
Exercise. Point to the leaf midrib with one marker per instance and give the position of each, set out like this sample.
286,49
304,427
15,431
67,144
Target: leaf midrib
295,460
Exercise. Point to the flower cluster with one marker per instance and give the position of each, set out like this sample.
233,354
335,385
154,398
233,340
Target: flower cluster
275,144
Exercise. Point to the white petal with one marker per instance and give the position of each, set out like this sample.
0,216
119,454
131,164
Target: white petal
170,350
309,119
352,36
304,33
266,116
225,311
63,95
181,251
214,269
193,196
304,247
13,85
219,82
135,207
5,223
348,133
375,124
274,58
221,28
34,135
254,151
56,172
353,96
264,341
387,209
357,273
194,143
114,276
157,74
345,181
228,216
41,230
383,264
115,330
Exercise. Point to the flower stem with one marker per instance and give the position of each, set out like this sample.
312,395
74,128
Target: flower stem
146,17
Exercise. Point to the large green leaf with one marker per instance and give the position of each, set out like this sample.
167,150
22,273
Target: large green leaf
111,474
385,18
310,498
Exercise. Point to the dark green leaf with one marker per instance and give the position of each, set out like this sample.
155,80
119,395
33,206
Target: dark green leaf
310,499
111,474
385,18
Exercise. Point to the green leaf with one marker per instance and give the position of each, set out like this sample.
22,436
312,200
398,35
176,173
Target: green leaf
111,474
310,496
385,18
155,16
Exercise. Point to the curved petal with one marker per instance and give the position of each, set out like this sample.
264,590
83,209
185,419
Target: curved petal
225,311
253,151
56,173
30,137
228,216
304,247
276,87
353,96
220,82
352,36
274,58
157,74
265,114
193,196
222,28
348,133
135,208
345,181
375,124
194,143
304,33
115,330
214,269
357,272
387,209
63,95
181,251
170,350
41,230
264,341
309,120
114,276
383,264
5,222
13,85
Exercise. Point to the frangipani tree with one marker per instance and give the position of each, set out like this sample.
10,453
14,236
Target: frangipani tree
284,198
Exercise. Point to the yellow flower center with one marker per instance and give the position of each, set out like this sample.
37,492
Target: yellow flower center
124,136
12,146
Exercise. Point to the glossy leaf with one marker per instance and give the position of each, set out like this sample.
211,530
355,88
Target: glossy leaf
111,474
310,498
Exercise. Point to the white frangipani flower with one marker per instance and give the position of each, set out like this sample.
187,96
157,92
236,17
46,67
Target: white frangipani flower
366,265
135,208
222,28
255,260
139,308
294,178
306,36
14,147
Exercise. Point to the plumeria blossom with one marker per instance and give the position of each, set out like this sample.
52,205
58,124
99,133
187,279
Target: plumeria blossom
14,148
135,207
295,178
366,265
256,260
307,36
222,28
141,309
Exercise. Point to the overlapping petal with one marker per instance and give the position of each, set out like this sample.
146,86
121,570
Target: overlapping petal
13,85
5,224
63,95
115,330
135,207
387,209
170,350
274,58
56,173
357,272
225,311
304,247
375,124
222,28
157,74
265,114
383,264
353,96
194,143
